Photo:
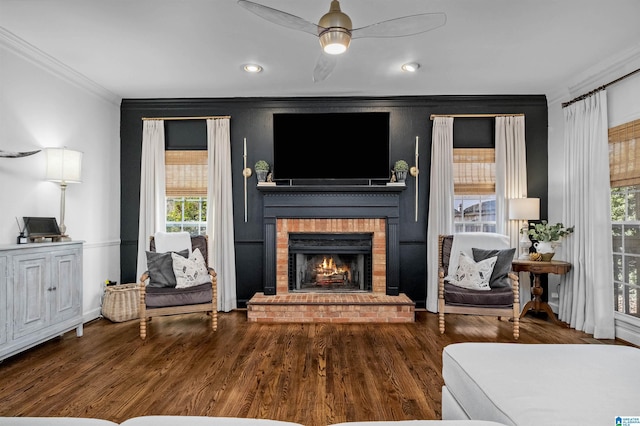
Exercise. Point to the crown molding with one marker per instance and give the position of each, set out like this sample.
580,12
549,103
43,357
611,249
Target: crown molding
50,64
597,75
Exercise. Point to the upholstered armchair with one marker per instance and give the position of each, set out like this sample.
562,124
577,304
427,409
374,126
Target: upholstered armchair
466,286
169,288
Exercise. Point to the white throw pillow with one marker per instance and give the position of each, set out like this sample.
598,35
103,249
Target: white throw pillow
190,272
471,274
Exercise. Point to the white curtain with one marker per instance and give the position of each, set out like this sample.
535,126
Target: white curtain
440,201
511,182
586,292
511,172
152,189
220,212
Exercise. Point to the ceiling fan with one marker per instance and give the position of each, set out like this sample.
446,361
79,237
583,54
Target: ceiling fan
335,32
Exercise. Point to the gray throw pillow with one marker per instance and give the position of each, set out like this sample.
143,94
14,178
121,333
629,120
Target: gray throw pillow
160,267
499,276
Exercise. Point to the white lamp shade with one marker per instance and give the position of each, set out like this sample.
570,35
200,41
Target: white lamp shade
524,208
63,165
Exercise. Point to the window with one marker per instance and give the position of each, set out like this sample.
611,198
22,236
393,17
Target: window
624,165
186,181
474,184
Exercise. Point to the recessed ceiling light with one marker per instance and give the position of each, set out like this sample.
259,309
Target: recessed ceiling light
411,67
252,68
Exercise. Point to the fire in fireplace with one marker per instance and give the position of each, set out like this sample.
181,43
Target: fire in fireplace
330,262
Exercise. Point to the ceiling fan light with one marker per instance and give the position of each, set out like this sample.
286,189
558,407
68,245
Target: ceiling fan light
334,30
335,41
411,67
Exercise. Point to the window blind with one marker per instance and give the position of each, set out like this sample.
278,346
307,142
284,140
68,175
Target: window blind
624,154
474,171
186,173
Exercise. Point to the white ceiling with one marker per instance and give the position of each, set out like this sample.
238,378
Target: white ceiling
196,48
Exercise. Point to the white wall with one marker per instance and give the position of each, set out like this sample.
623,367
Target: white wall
623,105
43,104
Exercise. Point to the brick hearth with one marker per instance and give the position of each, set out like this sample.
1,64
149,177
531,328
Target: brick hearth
334,308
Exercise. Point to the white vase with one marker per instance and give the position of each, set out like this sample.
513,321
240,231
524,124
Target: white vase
546,249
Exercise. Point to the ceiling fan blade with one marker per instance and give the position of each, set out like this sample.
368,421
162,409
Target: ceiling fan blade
279,17
402,27
324,67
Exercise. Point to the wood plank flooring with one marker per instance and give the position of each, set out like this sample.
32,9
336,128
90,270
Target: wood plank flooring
313,374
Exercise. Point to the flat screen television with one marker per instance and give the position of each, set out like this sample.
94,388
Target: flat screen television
331,146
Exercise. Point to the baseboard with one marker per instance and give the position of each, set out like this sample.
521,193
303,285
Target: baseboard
627,328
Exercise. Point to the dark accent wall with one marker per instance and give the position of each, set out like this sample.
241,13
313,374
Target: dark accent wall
251,118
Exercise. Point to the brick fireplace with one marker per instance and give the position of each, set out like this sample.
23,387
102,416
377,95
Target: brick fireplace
331,210
375,226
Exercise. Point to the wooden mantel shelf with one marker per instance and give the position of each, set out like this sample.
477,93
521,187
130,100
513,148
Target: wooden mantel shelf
330,188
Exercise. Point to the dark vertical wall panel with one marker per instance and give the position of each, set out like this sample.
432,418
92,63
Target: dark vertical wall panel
251,118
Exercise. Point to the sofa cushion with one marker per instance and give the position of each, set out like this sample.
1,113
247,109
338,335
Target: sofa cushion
500,274
202,421
542,384
159,297
496,298
54,421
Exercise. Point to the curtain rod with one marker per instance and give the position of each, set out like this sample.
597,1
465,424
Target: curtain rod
185,118
594,91
475,115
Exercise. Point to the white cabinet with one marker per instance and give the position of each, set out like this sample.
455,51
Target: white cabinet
4,303
42,287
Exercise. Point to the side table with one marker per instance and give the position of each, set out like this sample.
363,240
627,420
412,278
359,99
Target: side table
538,268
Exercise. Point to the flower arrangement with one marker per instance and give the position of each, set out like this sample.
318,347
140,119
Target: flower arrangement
543,231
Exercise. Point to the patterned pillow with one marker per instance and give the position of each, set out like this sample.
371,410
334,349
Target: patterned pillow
190,272
500,274
472,275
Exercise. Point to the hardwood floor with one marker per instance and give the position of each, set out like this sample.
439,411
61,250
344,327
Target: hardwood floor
314,374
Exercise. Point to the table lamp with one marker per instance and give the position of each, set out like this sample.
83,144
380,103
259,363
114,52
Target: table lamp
524,209
64,167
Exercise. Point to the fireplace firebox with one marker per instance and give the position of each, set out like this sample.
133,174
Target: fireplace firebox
330,262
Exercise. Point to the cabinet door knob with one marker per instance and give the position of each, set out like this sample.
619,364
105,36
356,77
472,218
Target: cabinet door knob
52,288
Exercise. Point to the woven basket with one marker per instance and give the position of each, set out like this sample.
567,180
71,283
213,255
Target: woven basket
121,302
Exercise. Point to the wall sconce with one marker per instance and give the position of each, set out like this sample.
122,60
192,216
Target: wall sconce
64,166
524,209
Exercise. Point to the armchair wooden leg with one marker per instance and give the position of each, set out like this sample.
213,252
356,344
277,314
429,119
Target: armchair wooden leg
516,327
441,315
143,327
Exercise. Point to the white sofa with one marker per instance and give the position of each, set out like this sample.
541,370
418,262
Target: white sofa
212,421
544,384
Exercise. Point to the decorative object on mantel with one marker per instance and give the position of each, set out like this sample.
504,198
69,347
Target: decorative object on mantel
548,237
246,173
63,166
400,169
524,209
262,168
7,154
